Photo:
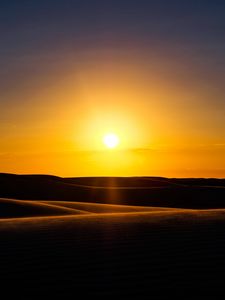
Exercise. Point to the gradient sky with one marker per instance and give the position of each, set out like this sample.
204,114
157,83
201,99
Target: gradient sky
151,71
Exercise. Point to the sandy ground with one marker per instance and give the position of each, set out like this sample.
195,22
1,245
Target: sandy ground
110,250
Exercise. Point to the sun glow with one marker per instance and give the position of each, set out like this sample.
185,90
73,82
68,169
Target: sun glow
111,140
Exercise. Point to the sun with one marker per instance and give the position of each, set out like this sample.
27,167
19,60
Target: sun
111,140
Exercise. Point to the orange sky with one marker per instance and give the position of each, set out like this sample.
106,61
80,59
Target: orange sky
168,123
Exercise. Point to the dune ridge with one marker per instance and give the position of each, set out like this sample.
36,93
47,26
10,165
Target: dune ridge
19,208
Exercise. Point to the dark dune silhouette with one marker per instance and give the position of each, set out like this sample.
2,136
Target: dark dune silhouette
147,191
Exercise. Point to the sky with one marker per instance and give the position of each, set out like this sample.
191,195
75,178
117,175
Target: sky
152,72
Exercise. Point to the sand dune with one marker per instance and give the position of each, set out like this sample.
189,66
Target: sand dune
114,254
82,237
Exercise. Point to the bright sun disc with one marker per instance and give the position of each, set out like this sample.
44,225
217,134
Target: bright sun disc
111,140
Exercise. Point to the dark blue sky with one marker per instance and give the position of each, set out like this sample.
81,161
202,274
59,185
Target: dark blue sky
183,29
35,34
36,26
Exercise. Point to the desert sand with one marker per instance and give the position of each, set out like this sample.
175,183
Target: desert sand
91,246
